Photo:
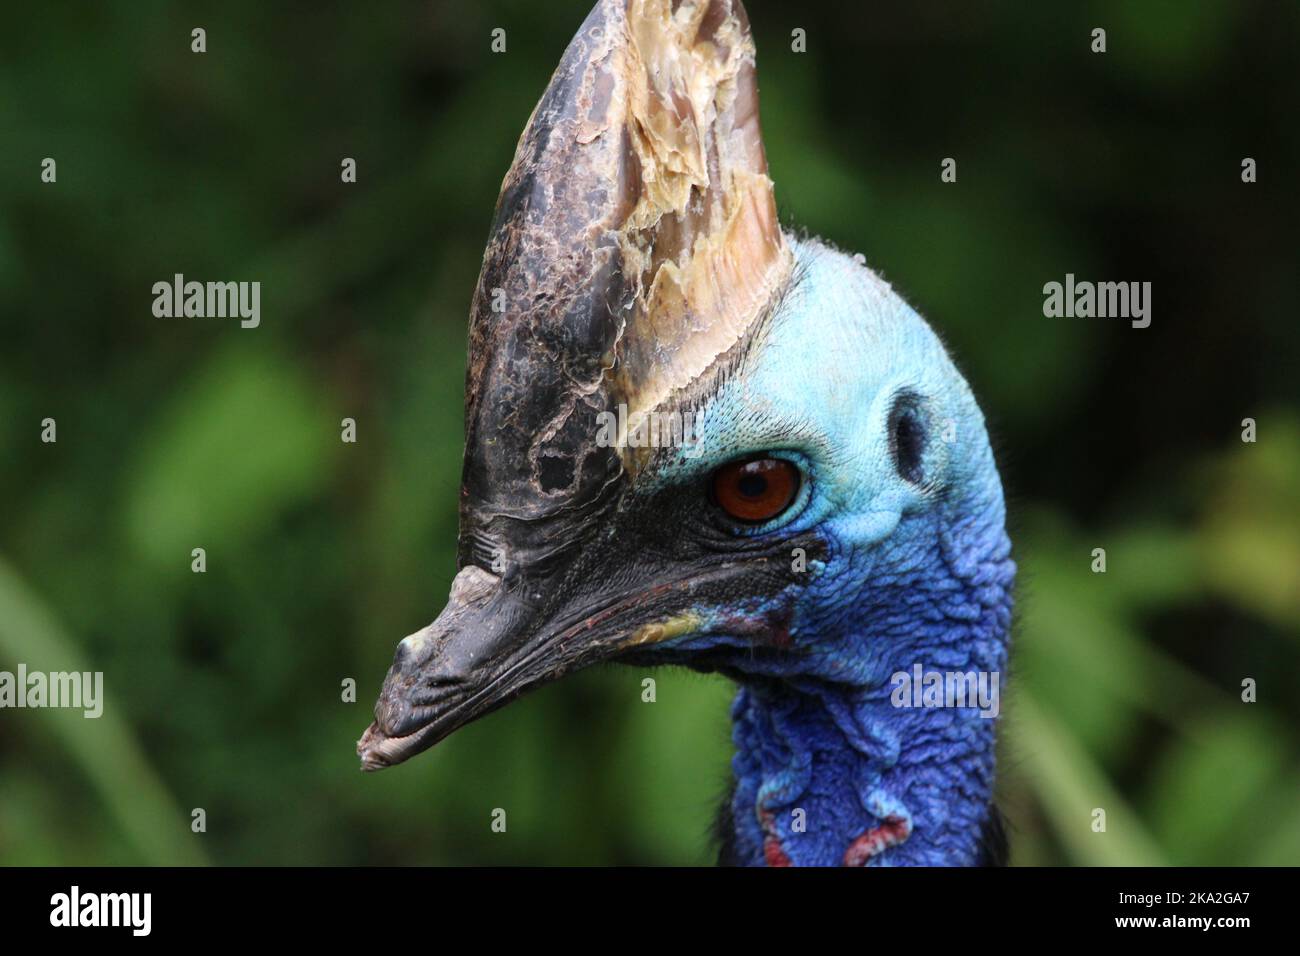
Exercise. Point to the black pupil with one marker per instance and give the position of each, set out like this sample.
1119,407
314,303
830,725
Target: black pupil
752,486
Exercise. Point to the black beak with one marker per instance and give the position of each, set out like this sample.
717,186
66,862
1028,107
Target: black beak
488,646
439,673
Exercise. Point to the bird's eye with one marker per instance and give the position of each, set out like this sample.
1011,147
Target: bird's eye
757,490
907,440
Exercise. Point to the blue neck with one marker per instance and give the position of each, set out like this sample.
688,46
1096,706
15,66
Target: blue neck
830,770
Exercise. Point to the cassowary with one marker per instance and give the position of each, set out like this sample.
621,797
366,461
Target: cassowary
824,516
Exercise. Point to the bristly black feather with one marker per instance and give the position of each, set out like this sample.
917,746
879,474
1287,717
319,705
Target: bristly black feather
994,847
724,831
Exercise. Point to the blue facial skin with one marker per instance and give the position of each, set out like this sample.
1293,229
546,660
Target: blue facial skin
916,572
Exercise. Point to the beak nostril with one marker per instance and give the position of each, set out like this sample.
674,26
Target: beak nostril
411,651
403,657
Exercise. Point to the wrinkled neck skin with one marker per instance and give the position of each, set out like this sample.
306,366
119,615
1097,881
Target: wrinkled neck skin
829,772
909,574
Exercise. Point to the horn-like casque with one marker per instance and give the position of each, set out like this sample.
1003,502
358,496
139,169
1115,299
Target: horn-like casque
635,241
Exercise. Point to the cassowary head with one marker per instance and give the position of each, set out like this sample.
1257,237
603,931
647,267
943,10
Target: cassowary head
694,438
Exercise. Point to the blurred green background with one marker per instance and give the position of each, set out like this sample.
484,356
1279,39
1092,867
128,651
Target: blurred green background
224,688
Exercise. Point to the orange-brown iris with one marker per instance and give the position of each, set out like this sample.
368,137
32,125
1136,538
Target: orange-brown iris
755,491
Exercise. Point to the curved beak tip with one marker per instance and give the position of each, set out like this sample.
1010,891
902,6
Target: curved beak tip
368,749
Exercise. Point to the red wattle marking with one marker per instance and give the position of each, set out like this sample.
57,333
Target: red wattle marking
890,833
773,853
